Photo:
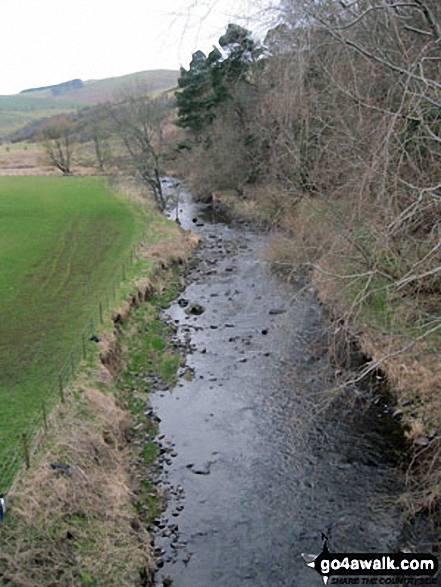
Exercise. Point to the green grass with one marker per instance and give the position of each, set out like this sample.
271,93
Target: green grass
148,350
111,88
150,453
62,242
35,103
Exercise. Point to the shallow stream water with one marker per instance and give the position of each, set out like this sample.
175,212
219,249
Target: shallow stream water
256,468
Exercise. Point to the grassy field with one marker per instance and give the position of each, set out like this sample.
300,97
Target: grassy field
62,241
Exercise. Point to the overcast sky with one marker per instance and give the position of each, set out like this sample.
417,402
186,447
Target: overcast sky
44,42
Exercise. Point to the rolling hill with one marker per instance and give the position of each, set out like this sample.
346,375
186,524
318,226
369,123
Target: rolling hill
18,110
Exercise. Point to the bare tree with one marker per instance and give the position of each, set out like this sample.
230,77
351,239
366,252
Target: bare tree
58,141
352,113
94,126
139,123
372,109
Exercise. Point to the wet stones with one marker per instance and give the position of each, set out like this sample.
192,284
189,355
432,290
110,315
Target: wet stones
194,309
203,469
159,524
166,537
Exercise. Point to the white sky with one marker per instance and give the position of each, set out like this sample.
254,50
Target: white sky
44,42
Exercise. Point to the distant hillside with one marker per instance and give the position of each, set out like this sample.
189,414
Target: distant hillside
32,104
113,87
109,89
21,109
58,89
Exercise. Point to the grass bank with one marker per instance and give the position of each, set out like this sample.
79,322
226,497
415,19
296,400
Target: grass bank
86,524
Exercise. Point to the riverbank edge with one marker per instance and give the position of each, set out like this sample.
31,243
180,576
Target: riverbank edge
74,516
400,373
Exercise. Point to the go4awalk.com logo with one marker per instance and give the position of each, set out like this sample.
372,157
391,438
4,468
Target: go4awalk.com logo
373,569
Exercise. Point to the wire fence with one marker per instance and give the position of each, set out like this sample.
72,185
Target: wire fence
21,449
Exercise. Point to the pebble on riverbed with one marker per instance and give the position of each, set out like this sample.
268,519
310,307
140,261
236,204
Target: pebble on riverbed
203,469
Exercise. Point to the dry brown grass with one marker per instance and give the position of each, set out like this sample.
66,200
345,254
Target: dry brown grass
174,249
357,151
266,204
415,380
29,159
77,529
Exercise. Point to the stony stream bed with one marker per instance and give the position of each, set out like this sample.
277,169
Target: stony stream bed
254,467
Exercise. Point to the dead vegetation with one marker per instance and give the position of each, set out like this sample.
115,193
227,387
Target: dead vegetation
340,122
75,526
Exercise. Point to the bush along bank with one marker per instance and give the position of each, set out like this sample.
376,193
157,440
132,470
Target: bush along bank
79,514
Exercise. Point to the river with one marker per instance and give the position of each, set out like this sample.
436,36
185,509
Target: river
255,466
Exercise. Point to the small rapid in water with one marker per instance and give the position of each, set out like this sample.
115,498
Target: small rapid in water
257,468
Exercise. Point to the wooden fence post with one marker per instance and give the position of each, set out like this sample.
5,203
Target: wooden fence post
60,387
43,407
26,450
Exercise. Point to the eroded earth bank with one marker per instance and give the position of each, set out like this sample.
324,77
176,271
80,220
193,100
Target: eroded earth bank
255,463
